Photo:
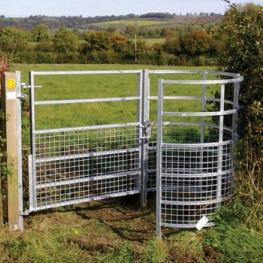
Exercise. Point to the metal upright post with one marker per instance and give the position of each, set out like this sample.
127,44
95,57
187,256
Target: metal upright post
220,148
144,136
32,193
159,160
236,107
203,109
203,101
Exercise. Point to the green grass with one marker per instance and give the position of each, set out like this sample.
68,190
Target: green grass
116,231
152,41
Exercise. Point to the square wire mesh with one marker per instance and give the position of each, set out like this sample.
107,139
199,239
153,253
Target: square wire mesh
74,165
190,180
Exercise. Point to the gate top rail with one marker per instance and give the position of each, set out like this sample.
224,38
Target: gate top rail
208,72
84,72
203,82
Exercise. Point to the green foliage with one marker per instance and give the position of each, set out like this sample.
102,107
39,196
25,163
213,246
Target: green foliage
4,65
157,46
195,43
66,44
14,43
40,33
243,30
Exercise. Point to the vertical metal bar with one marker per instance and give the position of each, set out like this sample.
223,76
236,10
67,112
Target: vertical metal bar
159,160
139,136
30,182
220,148
144,141
235,106
19,153
234,126
202,128
203,101
32,138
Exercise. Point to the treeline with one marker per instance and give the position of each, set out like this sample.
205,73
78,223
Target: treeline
75,22
180,47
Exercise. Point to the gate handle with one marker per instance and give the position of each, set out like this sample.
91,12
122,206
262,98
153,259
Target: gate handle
147,130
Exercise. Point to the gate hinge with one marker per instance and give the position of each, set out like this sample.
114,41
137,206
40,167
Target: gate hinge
21,96
146,130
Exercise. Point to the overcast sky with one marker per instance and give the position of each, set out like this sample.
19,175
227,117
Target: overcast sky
110,7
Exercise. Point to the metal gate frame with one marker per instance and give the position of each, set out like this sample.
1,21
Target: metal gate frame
221,147
145,145
143,130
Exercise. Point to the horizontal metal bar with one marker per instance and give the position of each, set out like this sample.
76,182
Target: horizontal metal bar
176,173
203,82
209,72
200,114
26,86
209,224
211,99
87,179
84,72
79,101
84,200
85,155
206,202
176,98
175,71
195,145
94,127
194,124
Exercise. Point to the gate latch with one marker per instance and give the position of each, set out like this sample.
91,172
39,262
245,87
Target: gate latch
146,130
25,86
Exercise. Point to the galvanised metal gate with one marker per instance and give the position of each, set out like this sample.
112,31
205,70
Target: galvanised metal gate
79,164
195,145
191,151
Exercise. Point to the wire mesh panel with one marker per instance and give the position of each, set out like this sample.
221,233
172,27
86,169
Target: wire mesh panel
74,165
195,149
79,164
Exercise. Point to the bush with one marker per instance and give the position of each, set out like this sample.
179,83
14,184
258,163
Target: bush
243,30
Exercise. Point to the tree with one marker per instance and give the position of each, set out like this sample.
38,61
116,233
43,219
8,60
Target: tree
65,44
195,42
118,41
14,43
40,33
96,41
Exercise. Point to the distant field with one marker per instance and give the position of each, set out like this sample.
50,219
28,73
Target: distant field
177,21
97,86
134,22
151,41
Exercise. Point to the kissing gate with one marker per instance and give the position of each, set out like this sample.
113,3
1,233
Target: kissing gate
180,143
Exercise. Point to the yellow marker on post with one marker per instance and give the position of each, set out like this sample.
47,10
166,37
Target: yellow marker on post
11,84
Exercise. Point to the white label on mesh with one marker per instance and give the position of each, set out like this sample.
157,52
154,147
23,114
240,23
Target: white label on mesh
202,223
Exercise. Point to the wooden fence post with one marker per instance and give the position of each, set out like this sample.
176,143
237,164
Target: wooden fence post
12,184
